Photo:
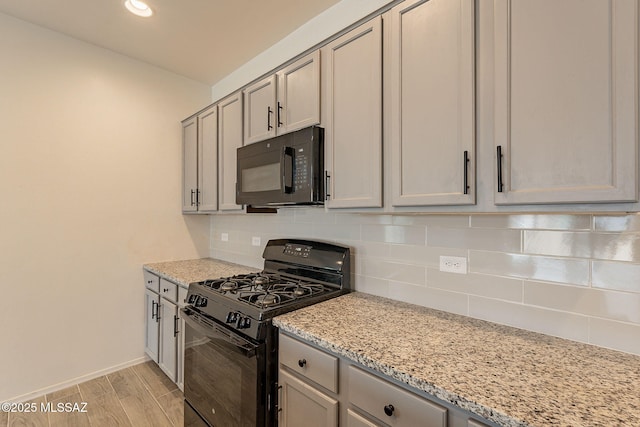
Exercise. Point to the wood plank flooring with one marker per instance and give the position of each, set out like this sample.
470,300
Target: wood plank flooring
141,395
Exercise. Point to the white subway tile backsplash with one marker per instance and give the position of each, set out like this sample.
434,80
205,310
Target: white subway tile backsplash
621,276
372,267
410,235
476,284
371,285
557,323
575,276
334,231
534,222
563,270
615,335
619,223
617,247
612,305
438,299
475,238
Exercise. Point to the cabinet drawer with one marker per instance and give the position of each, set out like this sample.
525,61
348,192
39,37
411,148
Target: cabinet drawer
377,396
151,281
168,290
355,420
309,362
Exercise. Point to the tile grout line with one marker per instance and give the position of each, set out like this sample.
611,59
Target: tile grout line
119,401
144,384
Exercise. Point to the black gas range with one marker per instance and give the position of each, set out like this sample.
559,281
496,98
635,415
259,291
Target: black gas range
230,343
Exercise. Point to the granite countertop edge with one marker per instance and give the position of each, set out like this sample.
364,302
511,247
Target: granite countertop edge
185,272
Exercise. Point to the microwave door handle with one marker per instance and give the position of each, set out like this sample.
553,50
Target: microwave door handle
287,169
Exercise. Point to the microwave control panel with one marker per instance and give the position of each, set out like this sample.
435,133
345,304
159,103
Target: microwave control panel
301,170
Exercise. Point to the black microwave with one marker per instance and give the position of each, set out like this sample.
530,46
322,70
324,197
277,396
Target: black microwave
281,171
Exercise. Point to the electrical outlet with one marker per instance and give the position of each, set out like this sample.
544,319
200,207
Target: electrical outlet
224,237
255,241
453,264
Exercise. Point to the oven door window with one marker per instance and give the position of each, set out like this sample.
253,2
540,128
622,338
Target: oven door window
222,375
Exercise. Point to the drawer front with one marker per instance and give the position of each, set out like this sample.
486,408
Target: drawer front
151,281
355,420
309,362
391,404
168,290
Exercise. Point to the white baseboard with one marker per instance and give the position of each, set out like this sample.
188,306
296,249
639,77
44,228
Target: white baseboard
78,380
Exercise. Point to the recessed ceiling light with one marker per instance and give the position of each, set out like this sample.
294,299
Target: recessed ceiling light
138,7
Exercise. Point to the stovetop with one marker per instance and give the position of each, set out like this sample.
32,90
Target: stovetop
297,273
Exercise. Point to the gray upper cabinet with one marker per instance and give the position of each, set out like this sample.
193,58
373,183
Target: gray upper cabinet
229,140
189,164
352,116
298,104
432,114
200,158
259,110
283,102
566,101
207,199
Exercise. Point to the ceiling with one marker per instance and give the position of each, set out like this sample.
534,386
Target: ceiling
204,40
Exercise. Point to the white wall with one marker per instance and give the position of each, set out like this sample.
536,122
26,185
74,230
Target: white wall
90,167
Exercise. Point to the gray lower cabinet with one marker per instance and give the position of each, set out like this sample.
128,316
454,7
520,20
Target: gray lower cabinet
152,323
163,338
318,388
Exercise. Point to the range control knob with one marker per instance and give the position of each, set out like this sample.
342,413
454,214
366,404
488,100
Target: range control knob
231,317
243,322
202,302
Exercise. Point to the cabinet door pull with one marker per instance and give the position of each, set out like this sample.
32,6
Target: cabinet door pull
278,115
198,197
302,363
388,410
269,113
466,172
499,158
327,181
175,326
192,201
153,310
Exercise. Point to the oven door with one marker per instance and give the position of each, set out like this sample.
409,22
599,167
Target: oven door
224,374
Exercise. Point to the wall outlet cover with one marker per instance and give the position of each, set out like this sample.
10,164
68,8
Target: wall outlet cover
255,241
224,237
453,264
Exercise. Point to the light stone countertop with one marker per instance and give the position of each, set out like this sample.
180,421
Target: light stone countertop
507,375
196,270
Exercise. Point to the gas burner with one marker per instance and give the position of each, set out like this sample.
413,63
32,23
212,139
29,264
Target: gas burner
267,299
261,280
229,286
299,290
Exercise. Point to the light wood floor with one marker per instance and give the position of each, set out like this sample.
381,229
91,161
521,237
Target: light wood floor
141,395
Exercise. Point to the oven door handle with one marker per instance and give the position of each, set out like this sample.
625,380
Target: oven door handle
244,347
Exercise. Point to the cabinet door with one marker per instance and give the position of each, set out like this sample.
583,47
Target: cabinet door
352,72
207,197
303,405
189,164
432,103
152,303
229,140
566,101
260,110
167,359
298,103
